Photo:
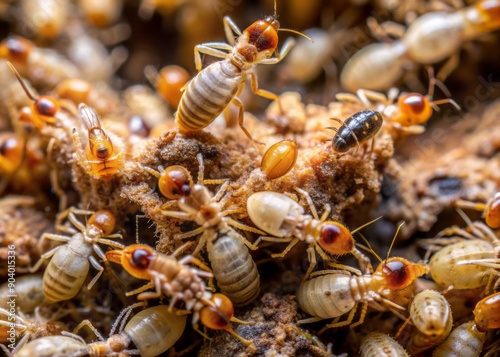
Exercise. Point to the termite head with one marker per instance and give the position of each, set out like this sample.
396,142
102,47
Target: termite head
16,49
74,89
103,220
335,238
262,40
100,145
492,212
175,182
11,153
135,259
218,316
398,273
415,109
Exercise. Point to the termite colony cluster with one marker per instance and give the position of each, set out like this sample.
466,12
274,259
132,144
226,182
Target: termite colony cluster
142,209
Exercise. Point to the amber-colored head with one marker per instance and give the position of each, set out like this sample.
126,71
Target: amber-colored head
489,11
279,159
415,109
46,108
217,317
175,182
135,259
399,273
16,49
11,153
487,313
169,83
100,146
104,220
335,238
492,212
263,34
74,89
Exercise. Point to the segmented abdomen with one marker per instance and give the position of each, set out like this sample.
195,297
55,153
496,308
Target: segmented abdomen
207,95
326,295
234,269
64,275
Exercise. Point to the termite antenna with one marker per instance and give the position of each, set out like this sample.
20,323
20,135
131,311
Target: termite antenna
297,32
369,248
393,240
25,87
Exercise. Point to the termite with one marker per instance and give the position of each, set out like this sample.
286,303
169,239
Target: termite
29,291
431,38
148,333
102,159
380,345
241,283
177,280
409,112
169,82
284,219
69,263
464,341
490,209
431,315
219,84
332,293
42,67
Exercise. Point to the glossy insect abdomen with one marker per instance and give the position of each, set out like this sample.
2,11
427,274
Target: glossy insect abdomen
207,95
234,269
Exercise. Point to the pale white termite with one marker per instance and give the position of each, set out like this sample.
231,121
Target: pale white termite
232,265
470,262
431,315
69,266
430,39
381,345
336,292
284,219
209,93
464,341
28,289
152,332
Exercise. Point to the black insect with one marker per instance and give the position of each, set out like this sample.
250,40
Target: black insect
356,129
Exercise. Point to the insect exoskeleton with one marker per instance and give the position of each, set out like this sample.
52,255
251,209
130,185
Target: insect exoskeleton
42,67
169,82
487,313
332,293
284,219
102,159
149,333
28,327
219,84
279,159
74,89
44,109
69,266
355,130
43,19
101,13
380,345
364,68
197,204
409,112
431,315
464,341
448,266
431,38
491,209
28,289
233,267
177,280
